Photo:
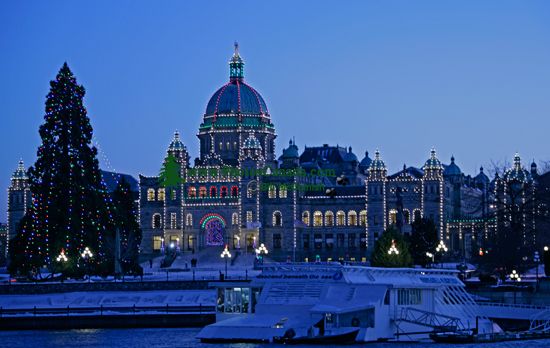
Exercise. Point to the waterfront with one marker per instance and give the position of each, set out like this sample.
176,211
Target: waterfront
147,338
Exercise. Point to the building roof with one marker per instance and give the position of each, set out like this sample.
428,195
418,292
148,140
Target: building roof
20,172
452,169
112,179
517,172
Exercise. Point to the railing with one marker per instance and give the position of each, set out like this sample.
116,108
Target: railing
439,322
512,305
101,310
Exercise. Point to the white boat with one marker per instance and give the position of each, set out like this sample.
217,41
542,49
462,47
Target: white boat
321,302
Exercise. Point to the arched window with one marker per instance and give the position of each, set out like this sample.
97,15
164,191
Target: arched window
192,192
340,218
213,191
234,191
272,191
407,216
161,194
417,214
249,216
220,147
189,220
151,194
282,191
352,218
317,219
393,216
363,218
173,220
235,219
223,192
227,146
329,218
202,192
157,221
277,218
305,217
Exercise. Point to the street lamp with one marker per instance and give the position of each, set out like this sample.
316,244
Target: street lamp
87,255
238,242
62,258
514,276
261,250
441,248
431,256
225,255
393,248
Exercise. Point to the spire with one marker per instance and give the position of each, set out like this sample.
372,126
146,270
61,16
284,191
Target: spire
517,161
20,172
452,159
236,65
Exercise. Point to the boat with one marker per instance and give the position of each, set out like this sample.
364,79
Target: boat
345,337
321,303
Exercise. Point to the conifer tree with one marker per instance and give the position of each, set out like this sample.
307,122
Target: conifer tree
399,256
128,227
71,208
422,240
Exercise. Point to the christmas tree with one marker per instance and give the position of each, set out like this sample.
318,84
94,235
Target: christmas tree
71,208
128,228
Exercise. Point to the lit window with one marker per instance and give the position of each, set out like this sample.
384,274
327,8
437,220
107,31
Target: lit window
213,191
340,218
282,191
272,191
317,219
305,217
151,194
202,192
235,219
161,194
249,216
277,219
157,243
363,218
189,220
393,216
192,192
329,218
234,191
223,192
352,218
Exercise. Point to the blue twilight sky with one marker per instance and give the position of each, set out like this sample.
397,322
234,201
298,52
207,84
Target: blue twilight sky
471,78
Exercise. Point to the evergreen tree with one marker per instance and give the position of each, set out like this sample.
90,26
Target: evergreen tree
128,227
423,239
71,208
398,257
170,175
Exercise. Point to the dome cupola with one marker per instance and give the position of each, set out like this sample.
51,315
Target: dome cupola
452,169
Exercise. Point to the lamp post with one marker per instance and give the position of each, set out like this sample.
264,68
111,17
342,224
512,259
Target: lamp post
441,248
62,258
260,251
514,276
431,256
393,249
87,255
225,255
536,258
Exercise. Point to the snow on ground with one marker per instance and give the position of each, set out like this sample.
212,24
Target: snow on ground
110,299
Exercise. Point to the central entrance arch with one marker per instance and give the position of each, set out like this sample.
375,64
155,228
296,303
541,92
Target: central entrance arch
213,228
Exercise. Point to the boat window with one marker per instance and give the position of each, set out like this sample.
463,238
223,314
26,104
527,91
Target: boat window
387,298
236,300
409,297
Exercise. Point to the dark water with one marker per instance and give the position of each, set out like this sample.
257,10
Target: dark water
149,338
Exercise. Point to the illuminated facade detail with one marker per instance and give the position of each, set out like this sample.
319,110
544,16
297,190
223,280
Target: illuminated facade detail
151,195
317,219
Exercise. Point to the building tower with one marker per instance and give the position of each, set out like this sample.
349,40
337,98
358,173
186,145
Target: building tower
433,195
235,110
376,199
19,198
